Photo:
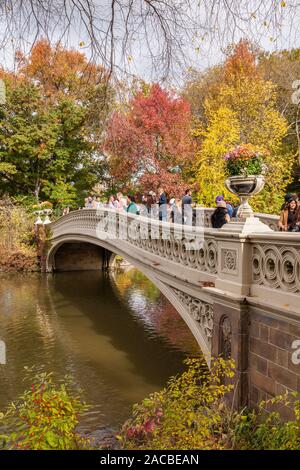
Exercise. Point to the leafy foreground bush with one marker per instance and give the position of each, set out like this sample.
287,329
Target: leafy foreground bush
44,418
190,414
17,247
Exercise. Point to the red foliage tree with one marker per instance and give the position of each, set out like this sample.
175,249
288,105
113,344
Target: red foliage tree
150,145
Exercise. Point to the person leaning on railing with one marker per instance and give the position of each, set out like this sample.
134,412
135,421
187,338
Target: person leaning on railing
220,215
289,220
132,208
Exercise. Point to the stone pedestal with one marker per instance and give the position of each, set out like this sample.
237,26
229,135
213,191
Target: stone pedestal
234,255
231,317
230,340
246,226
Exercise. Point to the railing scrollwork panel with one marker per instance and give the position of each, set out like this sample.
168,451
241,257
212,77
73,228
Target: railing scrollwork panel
276,266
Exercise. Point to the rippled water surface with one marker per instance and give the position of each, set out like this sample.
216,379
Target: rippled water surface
115,333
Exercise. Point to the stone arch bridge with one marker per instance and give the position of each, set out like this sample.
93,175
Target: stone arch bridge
237,288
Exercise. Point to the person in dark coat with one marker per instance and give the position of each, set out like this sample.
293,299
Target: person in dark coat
228,205
150,204
163,205
220,215
187,210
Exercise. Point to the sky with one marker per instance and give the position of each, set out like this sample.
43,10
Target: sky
212,29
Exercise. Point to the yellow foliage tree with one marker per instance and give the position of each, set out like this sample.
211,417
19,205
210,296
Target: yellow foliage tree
248,102
221,133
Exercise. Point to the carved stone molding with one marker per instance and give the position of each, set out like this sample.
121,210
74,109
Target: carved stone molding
229,260
176,246
200,311
225,337
276,267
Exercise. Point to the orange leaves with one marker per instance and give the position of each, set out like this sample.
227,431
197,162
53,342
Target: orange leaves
59,70
241,62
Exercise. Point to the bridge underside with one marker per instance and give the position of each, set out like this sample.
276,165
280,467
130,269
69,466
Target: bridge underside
80,256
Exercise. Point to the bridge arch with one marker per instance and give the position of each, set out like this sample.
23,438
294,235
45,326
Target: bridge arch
219,281
103,254
75,255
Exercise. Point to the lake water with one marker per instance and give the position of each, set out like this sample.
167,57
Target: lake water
115,333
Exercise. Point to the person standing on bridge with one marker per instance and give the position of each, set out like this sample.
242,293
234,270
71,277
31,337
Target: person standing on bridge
132,208
163,205
121,202
176,211
89,203
111,202
151,204
99,203
187,210
290,216
228,205
220,215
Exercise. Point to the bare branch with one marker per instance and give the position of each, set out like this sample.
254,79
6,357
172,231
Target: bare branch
164,33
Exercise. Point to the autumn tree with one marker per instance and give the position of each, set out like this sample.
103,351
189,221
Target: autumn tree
283,69
43,145
59,73
198,86
51,125
149,144
222,132
248,102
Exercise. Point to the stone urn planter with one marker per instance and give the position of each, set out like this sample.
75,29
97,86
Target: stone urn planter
38,220
47,213
245,187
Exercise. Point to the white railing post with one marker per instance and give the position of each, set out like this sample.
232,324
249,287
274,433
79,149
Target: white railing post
234,255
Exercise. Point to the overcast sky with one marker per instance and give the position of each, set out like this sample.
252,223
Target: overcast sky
212,28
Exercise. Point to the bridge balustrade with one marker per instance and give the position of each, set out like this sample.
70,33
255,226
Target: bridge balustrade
237,289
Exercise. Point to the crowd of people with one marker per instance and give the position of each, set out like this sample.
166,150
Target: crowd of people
118,202
289,220
180,210
159,206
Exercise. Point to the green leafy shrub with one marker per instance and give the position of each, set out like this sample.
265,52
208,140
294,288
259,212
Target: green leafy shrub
261,430
190,413
187,414
44,418
46,205
17,247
